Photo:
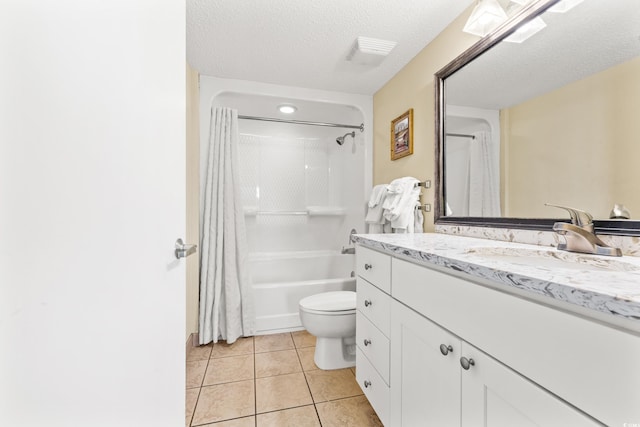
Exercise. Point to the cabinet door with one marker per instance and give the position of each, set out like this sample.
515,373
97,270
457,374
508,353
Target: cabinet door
425,383
495,396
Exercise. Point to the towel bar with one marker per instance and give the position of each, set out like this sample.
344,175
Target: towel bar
425,184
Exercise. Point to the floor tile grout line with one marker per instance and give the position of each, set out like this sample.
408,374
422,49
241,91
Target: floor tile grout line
200,390
211,364
271,411
202,385
233,380
194,407
279,374
207,423
304,373
255,386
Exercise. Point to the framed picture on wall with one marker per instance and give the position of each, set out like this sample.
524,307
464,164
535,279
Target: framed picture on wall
402,135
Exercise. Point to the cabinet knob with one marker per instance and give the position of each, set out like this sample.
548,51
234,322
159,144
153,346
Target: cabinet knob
367,303
368,266
367,383
367,342
466,363
445,349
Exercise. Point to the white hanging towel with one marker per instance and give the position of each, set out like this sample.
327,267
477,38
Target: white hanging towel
415,224
374,218
402,196
418,221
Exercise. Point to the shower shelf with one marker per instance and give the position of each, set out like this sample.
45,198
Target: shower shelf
326,211
310,211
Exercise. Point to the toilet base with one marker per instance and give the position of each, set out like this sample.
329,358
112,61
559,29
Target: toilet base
335,353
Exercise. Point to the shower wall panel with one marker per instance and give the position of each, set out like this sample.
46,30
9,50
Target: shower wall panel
302,192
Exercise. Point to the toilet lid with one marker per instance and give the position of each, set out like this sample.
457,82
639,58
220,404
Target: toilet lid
330,301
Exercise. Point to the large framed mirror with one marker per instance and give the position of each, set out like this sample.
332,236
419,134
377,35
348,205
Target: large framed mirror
551,119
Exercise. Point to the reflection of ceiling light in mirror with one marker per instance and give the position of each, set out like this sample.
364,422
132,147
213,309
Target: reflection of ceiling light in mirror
287,109
560,7
485,17
527,30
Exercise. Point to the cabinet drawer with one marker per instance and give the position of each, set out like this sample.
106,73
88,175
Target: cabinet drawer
375,267
373,344
373,386
374,304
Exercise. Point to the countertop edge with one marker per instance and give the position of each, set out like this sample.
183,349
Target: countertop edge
574,296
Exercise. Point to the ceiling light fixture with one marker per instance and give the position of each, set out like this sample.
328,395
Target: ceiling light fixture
369,51
287,108
485,17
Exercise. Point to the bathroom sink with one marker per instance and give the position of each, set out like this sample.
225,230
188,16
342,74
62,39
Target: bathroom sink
552,258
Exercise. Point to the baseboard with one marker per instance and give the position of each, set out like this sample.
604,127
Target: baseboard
192,341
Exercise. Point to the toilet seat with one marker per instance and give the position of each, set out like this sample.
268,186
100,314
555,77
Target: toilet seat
330,303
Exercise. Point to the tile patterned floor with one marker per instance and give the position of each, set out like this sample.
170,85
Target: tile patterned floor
271,381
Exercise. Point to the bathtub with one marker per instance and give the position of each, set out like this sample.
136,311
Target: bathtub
280,280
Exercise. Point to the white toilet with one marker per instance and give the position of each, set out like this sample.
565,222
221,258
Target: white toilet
331,317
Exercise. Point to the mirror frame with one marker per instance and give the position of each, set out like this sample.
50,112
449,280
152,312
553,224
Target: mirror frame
524,15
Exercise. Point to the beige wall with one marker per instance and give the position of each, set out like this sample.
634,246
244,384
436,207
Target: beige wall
576,146
193,198
413,87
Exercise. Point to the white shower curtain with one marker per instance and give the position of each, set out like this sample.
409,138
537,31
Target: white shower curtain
484,191
226,300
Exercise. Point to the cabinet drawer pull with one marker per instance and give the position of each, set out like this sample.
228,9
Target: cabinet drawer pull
368,266
367,303
367,383
466,363
367,342
445,349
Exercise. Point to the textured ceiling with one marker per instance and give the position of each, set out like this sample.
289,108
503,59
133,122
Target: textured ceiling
305,43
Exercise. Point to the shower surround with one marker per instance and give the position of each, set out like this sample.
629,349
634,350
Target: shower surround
302,192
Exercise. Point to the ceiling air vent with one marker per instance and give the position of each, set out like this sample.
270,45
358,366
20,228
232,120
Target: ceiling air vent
369,51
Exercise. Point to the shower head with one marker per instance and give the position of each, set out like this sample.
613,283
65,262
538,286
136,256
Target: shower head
340,139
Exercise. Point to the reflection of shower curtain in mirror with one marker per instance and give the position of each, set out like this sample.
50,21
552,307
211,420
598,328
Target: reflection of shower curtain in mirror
484,191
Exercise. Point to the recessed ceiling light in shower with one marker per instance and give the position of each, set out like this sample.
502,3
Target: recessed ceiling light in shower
287,108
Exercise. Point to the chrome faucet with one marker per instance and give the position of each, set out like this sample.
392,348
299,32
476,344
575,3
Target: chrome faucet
580,235
351,250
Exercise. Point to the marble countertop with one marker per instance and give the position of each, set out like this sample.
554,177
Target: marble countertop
609,285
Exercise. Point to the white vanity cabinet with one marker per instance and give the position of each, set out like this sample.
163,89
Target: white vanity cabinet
463,353
433,387
527,356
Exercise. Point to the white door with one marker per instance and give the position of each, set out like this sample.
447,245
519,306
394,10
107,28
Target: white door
92,188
